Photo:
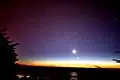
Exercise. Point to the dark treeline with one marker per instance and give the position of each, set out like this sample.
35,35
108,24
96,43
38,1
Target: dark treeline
8,57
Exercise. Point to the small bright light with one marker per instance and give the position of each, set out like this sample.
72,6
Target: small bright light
74,51
73,74
27,76
78,58
20,76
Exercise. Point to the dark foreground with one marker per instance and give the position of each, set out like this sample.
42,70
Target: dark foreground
57,73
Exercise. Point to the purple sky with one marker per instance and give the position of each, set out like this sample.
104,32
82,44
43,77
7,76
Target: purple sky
51,29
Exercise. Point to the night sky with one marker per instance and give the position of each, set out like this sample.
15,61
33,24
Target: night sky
50,30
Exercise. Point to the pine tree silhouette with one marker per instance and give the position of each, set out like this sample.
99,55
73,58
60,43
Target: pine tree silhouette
8,57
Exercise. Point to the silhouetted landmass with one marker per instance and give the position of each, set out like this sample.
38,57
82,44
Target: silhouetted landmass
62,73
8,57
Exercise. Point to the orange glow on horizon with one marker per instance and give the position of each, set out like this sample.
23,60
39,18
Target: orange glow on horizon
78,64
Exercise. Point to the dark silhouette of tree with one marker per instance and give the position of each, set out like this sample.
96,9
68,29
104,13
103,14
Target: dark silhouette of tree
8,57
117,61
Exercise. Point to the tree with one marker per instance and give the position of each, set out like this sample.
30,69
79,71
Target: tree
116,60
8,57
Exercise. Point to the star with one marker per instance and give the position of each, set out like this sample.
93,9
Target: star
78,58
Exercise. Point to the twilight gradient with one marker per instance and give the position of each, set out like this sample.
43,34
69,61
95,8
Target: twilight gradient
50,30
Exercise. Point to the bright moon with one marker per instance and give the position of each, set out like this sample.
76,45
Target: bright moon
74,51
